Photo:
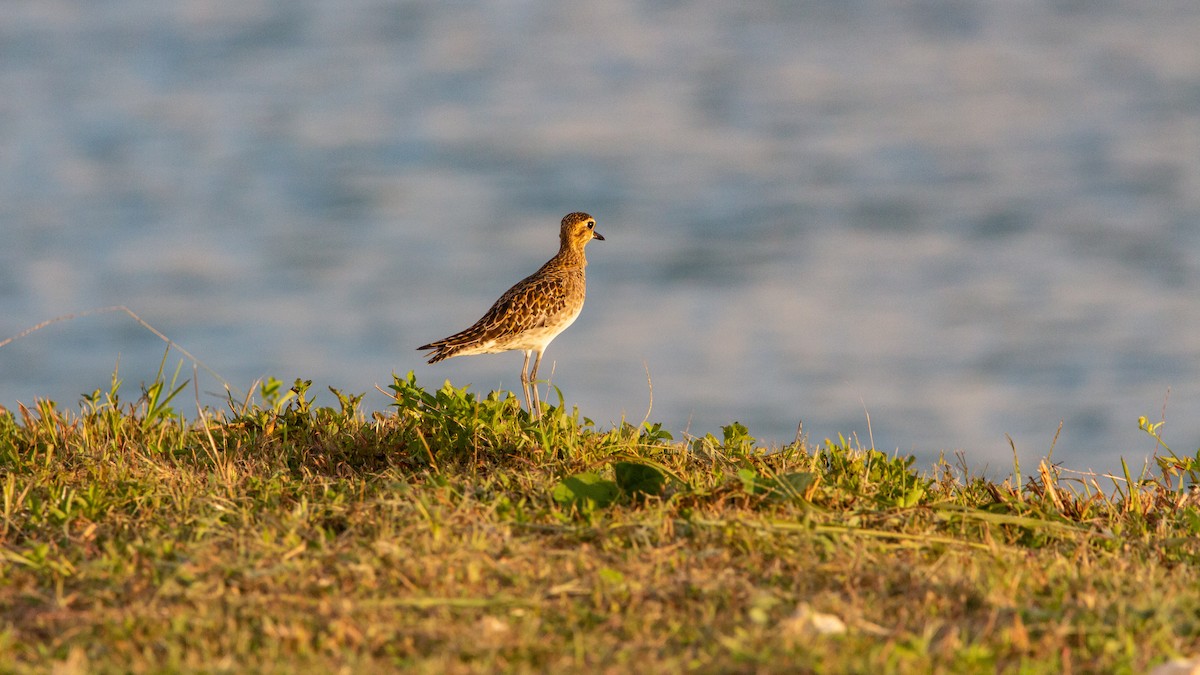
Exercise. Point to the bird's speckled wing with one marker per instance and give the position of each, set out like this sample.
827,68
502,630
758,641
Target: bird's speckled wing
533,303
541,299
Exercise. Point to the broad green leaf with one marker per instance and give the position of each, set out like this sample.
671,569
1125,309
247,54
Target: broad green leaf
637,479
585,490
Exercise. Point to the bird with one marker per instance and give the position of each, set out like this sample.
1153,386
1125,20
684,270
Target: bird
533,312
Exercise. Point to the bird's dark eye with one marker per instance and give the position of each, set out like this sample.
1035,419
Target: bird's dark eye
591,225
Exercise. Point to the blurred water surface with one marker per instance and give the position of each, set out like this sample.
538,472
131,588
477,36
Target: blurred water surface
966,220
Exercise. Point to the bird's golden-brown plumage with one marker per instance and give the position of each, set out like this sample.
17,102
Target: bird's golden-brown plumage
534,311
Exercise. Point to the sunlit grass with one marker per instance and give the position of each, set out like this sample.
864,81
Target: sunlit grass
455,533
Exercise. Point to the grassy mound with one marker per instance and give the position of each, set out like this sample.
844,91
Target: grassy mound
457,535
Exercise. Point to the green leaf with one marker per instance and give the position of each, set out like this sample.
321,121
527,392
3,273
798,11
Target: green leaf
654,433
737,437
749,478
912,497
796,483
638,480
787,486
585,491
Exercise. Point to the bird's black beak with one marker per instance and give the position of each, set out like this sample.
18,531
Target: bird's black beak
597,235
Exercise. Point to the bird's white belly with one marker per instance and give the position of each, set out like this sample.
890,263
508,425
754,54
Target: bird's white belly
536,338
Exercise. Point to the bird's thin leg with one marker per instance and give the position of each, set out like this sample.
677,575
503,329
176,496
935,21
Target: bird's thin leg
525,381
533,383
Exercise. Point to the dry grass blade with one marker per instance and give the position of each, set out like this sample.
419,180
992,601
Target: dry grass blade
117,308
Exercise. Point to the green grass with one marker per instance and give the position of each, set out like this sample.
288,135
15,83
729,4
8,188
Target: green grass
455,534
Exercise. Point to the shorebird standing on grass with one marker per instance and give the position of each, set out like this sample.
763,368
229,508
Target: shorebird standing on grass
532,313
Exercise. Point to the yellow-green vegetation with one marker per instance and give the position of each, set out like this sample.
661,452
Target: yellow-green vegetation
455,534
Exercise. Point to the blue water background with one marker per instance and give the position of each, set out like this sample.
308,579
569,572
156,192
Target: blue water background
966,220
